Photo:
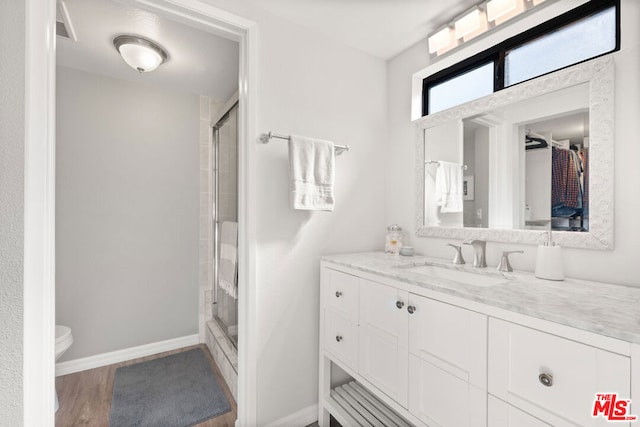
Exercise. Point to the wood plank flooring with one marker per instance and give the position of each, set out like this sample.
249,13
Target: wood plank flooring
85,397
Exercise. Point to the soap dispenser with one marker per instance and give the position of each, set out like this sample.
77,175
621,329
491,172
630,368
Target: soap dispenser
549,262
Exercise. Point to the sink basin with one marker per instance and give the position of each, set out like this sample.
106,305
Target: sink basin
442,272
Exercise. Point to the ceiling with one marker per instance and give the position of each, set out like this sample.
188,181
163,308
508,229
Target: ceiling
382,28
203,63
199,62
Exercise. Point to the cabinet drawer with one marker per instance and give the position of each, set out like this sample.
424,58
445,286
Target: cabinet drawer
502,414
341,338
551,377
341,293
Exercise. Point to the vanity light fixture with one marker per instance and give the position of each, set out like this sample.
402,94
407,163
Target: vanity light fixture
483,17
442,41
503,10
139,53
471,24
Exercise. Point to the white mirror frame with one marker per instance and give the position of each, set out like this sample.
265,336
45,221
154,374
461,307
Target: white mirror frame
599,73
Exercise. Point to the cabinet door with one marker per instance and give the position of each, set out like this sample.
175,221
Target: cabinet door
502,414
447,364
383,339
553,378
449,337
441,399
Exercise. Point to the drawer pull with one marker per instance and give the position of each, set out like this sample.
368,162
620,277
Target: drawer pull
411,309
546,379
338,338
399,304
338,294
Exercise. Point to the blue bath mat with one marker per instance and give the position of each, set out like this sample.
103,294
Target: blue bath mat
174,391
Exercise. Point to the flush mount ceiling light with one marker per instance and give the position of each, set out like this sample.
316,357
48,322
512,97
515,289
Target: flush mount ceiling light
139,53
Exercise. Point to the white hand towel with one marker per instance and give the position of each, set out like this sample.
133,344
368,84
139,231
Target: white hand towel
311,171
448,187
228,265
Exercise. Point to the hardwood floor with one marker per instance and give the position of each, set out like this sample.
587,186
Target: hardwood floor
85,397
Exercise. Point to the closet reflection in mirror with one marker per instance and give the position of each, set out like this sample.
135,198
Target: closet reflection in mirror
523,166
557,174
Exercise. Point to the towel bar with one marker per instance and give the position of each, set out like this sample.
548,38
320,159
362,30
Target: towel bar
266,137
433,162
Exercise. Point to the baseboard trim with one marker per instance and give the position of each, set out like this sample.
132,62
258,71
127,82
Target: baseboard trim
104,359
303,417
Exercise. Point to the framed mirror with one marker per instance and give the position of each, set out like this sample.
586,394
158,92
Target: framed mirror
534,157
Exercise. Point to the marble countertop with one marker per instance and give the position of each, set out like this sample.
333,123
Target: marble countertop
606,309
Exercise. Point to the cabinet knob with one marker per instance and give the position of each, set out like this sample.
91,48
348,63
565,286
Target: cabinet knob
546,379
399,304
338,294
338,338
411,309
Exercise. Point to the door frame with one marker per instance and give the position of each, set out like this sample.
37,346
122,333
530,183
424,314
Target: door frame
39,199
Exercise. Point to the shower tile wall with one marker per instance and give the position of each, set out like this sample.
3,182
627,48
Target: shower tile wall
206,209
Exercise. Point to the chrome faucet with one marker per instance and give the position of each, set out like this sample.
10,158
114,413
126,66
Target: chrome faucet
479,248
505,265
457,258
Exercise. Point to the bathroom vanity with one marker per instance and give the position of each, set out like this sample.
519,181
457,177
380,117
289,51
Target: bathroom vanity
420,341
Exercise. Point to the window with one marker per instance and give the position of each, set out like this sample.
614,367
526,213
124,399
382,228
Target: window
462,88
584,33
574,43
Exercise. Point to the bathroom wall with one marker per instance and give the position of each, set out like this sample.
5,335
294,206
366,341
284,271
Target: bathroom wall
127,210
308,85
617,266
12,134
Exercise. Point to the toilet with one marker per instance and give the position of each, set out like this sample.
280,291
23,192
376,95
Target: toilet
64,339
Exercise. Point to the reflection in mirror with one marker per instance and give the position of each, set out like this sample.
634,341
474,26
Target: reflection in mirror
530,158
557,173
476,178
515,167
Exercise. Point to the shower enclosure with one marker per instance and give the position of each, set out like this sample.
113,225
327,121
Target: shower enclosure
225,176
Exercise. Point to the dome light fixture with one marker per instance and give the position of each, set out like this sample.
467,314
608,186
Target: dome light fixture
139,53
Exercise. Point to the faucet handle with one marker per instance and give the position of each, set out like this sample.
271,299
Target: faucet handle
504,261
457,258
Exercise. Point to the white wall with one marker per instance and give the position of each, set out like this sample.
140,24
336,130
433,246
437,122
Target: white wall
127,210
617,266
309,85
12,134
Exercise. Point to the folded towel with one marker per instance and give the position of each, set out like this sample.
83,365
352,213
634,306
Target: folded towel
311,171
228,262
448,187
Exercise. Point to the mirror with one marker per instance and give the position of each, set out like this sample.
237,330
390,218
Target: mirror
530,158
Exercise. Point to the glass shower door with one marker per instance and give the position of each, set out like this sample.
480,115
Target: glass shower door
225,306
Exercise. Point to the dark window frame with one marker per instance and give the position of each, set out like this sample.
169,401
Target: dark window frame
497,53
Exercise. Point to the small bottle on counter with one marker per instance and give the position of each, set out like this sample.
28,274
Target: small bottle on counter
394,239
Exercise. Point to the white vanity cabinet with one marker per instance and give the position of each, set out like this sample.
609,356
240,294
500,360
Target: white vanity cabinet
415,353
437,358
447,363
